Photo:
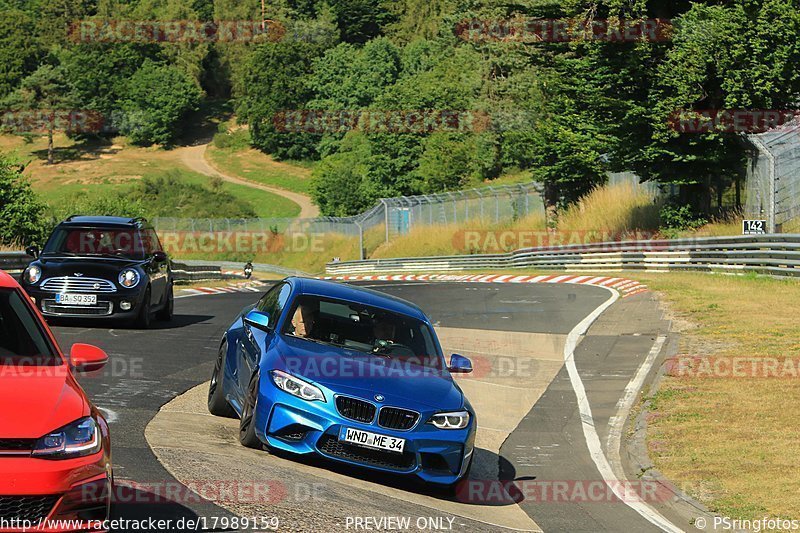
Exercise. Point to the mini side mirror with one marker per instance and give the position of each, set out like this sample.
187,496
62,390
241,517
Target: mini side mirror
87,358
460,364
258,320
32,251
160,256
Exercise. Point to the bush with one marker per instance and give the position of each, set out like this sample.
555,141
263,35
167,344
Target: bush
676,218
171,196
20,209
234,141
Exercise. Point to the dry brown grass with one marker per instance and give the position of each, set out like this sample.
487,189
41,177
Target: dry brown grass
454,239
620,210
608,213
731,442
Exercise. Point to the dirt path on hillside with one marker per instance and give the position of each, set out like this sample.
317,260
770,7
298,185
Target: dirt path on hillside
194,157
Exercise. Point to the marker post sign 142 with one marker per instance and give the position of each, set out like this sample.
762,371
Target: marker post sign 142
754,227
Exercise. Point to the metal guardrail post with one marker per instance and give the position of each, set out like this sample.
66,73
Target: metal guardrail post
771,222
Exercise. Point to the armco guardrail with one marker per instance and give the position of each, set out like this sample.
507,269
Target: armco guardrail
15,262
776,255
232,266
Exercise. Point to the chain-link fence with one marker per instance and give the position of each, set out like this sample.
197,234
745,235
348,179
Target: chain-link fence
389,218
773,178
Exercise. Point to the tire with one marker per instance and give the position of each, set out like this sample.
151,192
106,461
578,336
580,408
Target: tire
166,313
217,404
145,315
247,429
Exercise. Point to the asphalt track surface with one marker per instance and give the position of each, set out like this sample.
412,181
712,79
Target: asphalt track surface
149,369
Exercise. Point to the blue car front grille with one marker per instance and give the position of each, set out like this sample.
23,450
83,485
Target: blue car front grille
354,409
395,418
329,445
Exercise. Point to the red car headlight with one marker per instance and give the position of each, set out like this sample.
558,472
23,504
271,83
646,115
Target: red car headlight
78,439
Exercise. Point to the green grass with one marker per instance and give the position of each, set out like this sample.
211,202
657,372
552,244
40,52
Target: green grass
264,203
250,164
102,169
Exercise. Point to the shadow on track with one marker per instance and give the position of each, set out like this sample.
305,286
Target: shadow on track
479,489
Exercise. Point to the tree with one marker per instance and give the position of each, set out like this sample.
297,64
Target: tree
20,209
741,55
341,183
274,79
157,101
99,73
19,50
350,77
46,91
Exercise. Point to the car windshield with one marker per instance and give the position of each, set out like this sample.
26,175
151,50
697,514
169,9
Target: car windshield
363,328
22,340
104,242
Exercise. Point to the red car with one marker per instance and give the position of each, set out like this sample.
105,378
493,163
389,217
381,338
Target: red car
55,451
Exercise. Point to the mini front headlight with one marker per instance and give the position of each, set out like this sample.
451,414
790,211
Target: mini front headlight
128,278
33,274
296,387
455,420
79,439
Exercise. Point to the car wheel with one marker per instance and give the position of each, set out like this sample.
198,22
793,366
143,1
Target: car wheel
247,426
166,313
143,320
217,404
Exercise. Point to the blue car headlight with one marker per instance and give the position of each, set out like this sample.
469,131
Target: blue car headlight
79,439
454,420
296,386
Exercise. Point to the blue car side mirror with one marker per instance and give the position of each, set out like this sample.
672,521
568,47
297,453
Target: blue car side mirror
460,364
258,320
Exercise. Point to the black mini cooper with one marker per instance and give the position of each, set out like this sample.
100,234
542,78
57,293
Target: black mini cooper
101,267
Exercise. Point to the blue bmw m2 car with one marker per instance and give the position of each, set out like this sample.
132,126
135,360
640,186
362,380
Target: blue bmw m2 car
350,374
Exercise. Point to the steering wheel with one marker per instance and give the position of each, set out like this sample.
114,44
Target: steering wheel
392,349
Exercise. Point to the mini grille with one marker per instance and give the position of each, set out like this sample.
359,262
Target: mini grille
32,508
354,409
394,418
75,284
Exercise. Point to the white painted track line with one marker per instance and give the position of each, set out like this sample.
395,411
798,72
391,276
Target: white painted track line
590,432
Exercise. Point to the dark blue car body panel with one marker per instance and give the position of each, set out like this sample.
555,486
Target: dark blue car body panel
291,424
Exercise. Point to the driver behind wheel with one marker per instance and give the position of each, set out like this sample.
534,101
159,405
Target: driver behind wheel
383,331
303,321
